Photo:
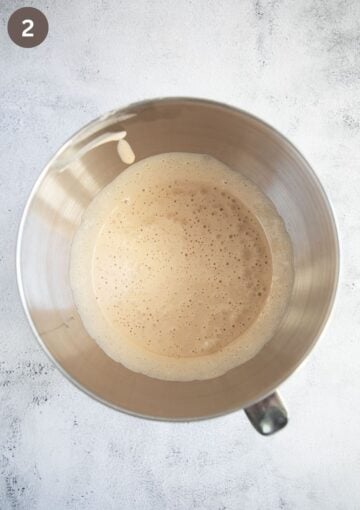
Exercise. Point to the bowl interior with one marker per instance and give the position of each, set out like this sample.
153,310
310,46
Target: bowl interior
68,184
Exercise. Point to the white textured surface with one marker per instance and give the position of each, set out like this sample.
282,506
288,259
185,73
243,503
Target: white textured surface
294,63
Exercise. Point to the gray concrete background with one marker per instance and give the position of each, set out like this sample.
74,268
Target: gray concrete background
294,63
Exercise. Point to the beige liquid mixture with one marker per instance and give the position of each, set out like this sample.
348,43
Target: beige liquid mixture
181,269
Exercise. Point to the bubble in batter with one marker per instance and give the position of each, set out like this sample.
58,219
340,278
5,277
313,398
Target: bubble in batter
181,268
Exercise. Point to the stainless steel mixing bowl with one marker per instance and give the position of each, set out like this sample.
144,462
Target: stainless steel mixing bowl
71,180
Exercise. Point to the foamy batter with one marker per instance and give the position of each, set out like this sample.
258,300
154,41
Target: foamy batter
181,269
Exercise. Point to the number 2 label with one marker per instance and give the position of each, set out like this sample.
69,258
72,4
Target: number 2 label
27,27
27,30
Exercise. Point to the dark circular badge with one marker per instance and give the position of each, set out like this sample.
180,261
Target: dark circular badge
28,27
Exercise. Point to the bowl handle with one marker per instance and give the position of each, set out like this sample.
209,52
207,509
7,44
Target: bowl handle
269,415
